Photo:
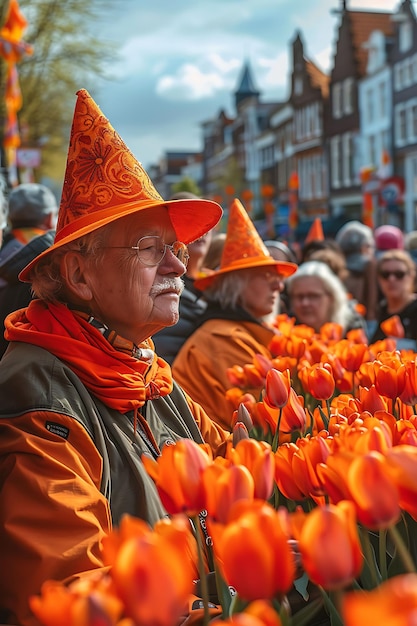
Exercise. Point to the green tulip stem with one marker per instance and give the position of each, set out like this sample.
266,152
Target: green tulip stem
202,572
275,441
402,549
383,554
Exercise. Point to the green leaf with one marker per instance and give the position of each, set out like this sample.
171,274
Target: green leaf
304,616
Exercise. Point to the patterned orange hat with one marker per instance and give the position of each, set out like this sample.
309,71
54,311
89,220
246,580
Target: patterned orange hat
243,248
104,182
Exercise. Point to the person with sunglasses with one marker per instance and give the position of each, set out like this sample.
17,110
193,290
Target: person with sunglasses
83,394
396,272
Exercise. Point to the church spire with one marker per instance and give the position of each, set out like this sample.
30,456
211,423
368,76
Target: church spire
246,87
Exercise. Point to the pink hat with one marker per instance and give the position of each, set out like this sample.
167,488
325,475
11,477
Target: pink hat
389,237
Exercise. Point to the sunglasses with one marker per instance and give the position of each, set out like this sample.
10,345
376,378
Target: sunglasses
398,274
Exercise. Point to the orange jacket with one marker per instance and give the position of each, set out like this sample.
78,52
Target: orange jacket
201,364
70,467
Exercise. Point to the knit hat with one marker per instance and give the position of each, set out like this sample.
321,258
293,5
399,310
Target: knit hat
243,248
353,235
389,237
30,203
104,182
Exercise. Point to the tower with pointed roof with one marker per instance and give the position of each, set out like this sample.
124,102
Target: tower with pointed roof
246,88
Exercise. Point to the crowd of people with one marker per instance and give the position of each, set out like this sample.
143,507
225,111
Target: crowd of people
122,313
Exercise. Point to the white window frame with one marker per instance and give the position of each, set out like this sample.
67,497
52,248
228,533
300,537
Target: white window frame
335,160
348,85
405,36
337,100
346,159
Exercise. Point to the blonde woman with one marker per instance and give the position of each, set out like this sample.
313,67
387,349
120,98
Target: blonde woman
396,272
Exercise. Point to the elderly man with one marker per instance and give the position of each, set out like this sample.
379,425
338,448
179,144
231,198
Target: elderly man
83,394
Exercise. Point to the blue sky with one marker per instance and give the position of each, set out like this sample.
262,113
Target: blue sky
180,61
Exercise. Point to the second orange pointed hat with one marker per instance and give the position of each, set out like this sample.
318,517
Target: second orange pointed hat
243,248
316,231
104,182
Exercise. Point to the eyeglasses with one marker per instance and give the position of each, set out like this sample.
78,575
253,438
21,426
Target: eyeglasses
273,277
312,297
398,274
151,250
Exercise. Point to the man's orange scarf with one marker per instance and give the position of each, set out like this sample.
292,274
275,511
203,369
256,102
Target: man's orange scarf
119,380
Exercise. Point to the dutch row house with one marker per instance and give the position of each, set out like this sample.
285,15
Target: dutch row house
334,139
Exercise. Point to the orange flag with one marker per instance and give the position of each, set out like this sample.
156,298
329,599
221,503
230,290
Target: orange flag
316,231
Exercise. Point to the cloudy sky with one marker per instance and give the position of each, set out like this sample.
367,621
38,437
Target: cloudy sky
181,61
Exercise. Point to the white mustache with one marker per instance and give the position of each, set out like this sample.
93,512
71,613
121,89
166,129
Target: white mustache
168,284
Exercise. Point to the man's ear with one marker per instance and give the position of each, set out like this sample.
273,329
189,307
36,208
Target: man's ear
73,271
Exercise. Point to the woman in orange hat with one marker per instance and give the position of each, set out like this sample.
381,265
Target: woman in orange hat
240,294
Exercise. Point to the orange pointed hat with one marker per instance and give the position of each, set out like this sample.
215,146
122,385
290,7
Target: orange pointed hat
316,231
243,248
104,182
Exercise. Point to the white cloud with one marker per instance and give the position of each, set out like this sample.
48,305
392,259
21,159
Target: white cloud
190,83
276,70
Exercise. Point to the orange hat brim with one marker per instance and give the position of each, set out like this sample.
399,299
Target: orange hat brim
190,219
282,267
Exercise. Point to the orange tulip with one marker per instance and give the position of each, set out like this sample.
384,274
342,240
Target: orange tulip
331,525
366,374
253,376
225,485
374,493
371,400
129,527
332,475
233,396
262,363
284,474
258,613
402,468
317,350
351,355
310,453
253,553
393,603
83,603
393,327
293,346
390,381
293,414
378,433
258,458
334,362
320,382
331,331
264,612
409,393
236,376
146,565
277,388
177,473
266,417
357,335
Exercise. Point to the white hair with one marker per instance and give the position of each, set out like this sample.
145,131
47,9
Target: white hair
340,312
227,288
